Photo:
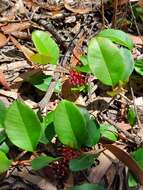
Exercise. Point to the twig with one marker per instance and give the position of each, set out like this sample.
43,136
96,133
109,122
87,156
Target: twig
21,155
44,102
115,14
135,108
102,12
12,21
135,22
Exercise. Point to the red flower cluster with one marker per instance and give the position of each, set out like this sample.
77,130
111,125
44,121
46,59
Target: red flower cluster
60,168
69,153
76,78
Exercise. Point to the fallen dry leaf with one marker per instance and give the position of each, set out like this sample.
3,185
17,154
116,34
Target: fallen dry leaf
31,5
3,40
13,27
77,52
136,39
67,93
20,7
81,7
27,52
140,3
3,81
122,2
127,160
105,162
48,5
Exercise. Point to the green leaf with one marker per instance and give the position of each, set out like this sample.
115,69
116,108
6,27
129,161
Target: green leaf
42,82
139,66
48,119
45,45
4,148
106,61
3,110
3,135
70,125
4,162
84,59
137,155
87,186
81,163
132,116
48,128
50,132
93,129
84,69
41,59
93,132
132,181
108,132
42,161
129,63
118,37
22,126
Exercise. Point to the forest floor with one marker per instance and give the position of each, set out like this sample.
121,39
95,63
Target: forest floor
71,24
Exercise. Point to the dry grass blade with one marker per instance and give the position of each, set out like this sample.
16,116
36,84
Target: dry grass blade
127,160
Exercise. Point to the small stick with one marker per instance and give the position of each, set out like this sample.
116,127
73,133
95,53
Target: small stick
102,12
135,108
115,13
135,22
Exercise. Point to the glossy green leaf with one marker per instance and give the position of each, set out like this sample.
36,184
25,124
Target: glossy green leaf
42,161
48,119
132,180
139,66
84,69
4,148
4,162
87,186
50,132
3,135
81,163
132,116
118,37
93,129
129,63
70,125
48,128
93,133
22,126
105,61
45,45
41,59
108,132
42,82
137,155
3,110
